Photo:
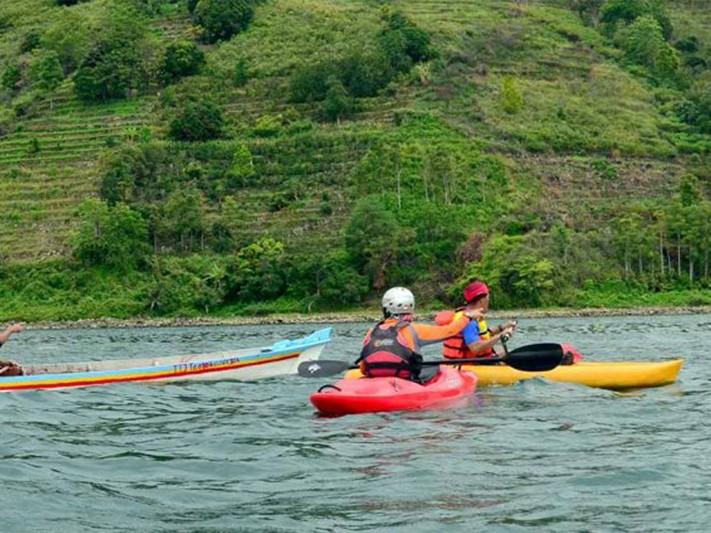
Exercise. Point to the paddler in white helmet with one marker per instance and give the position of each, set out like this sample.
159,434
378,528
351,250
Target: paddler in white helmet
392,346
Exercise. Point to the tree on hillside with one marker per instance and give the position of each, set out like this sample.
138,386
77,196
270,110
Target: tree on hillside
68,36
221,19
197,120
181,58
112,69
364,74
257,271
46,71
643,43
374,239
182,220
116,237
588,10
614,12
403,42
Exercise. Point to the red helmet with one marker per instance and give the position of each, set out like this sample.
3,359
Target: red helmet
474,289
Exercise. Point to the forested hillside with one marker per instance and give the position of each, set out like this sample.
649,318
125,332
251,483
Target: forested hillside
165,157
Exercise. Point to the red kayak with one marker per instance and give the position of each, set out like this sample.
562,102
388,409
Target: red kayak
450,387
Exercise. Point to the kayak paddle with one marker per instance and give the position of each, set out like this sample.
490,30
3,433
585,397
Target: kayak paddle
530,358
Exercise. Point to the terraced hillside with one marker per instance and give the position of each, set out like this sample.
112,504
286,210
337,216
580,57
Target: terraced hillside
51,163
589,133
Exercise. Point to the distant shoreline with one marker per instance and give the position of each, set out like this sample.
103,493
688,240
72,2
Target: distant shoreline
352,316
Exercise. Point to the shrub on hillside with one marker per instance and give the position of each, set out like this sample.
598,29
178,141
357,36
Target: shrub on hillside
361,73
181,58
11,77
309,82
221,19
365,73
31,40
191,5
197,120
688,45
696,111
241,75
337,103
242,164
587,10
7,120
511,96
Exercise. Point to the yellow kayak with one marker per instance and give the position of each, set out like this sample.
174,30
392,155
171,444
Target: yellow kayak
614,375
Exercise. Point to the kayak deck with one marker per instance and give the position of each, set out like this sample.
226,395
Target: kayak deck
449,388
614,375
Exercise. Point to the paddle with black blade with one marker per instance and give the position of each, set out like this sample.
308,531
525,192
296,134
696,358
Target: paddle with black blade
530,358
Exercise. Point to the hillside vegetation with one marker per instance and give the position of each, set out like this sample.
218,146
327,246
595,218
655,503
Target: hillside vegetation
249,156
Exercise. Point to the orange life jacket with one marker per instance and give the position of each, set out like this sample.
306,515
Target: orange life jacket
455,347
383,355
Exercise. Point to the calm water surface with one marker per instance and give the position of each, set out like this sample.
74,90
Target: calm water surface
235,456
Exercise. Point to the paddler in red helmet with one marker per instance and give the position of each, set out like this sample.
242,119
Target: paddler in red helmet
391,347
476,339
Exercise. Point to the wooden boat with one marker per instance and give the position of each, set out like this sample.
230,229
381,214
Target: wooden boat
614,375
282,357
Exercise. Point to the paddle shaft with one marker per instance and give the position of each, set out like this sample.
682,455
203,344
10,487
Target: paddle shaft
532,358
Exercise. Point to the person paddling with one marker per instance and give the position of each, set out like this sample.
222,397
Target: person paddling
9,368
391,347
476,339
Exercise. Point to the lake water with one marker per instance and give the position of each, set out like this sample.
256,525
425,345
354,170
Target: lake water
231,456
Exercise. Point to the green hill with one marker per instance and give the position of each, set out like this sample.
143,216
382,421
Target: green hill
560,149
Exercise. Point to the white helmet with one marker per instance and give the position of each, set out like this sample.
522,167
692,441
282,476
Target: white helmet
398,301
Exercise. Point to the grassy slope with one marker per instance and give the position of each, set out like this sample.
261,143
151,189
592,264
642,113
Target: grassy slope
580,108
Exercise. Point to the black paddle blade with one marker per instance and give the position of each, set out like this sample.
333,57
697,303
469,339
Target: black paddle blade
535,357
322,369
